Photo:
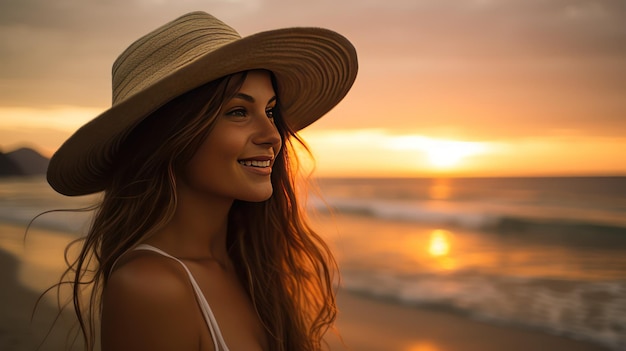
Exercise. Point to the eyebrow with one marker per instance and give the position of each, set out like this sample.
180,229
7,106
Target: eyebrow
249,98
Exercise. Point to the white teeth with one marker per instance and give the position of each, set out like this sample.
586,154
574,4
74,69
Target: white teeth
255,163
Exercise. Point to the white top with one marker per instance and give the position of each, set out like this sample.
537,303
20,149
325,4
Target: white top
209,318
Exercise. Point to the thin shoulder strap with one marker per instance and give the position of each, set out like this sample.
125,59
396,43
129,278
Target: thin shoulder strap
209,318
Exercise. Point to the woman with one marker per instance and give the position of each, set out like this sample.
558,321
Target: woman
199,242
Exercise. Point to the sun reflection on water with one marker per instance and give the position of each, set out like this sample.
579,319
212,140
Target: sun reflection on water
423,346
439,244
440,189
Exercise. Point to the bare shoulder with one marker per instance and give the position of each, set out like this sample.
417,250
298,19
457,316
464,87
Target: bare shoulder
149,274
148,304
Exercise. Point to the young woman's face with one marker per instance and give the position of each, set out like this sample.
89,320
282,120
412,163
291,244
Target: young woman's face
235,160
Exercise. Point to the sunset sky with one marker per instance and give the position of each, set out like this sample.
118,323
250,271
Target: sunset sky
445,87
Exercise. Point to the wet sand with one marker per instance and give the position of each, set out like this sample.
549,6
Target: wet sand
25,273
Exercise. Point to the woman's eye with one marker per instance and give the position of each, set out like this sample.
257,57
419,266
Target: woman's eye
270,112
237,113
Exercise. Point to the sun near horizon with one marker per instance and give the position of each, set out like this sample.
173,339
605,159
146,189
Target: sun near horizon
384,153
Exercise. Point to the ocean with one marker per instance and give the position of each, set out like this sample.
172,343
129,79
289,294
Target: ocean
541,253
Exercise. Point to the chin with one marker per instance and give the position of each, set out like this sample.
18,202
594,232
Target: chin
258,195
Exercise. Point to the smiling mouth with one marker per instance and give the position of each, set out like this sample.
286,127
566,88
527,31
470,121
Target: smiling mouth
254,163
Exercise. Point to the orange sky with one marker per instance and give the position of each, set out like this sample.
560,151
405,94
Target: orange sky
476,87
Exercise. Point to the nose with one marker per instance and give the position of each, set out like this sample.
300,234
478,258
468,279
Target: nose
267,134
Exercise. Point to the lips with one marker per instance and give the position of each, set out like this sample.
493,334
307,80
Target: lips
255,163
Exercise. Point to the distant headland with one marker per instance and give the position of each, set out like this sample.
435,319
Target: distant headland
22,162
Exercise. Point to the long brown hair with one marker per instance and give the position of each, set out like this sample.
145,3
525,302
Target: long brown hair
286,268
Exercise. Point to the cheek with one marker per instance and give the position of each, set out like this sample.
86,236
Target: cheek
214,156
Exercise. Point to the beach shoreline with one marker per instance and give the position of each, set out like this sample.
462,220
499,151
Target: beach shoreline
365,323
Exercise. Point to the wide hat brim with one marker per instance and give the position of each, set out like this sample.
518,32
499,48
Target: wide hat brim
314,70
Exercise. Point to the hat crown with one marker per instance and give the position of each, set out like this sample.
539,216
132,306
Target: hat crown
167,49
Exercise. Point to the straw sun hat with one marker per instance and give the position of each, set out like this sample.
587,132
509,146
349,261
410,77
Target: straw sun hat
314,69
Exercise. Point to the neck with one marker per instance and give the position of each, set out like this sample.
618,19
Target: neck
198,228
